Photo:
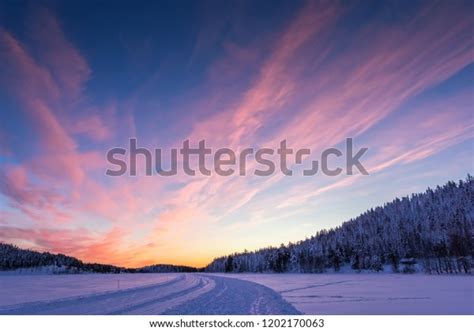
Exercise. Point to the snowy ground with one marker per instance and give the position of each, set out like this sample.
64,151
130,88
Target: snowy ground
373,294
193,294
16,289
236,294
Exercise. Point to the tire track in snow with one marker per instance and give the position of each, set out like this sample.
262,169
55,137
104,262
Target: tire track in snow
186,294
313,286
236,297
160,304
94,304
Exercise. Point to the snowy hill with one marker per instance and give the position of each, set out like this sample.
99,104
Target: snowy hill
29,261
165,268
431,231
15,260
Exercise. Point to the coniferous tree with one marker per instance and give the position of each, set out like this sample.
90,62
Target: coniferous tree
432,229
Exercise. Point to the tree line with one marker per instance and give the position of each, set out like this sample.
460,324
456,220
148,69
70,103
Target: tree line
432,231
12,257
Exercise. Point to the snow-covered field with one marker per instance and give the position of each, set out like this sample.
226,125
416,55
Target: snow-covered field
236,294
371,293
16,289
139,294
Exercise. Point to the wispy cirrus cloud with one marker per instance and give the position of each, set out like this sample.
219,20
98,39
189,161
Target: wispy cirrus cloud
379,75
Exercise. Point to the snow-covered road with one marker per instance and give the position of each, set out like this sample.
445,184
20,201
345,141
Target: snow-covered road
182,294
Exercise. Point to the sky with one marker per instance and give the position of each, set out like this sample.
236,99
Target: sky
79,78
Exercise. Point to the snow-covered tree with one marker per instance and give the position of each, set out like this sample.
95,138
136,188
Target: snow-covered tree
434,229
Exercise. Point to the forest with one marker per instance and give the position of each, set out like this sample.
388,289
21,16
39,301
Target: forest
430,232
12,257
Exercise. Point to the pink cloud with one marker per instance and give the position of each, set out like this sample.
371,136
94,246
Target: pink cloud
28,197
68,67
92,126
345,102
23,77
